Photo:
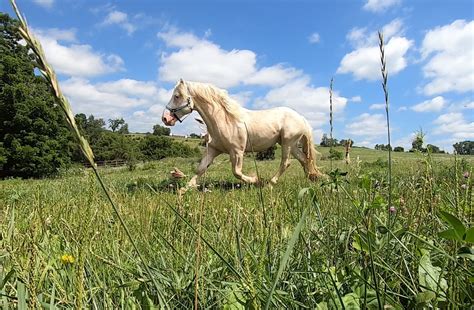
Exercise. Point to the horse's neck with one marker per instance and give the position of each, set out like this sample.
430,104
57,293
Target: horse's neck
213,115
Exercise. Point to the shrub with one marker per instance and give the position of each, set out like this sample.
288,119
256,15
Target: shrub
335,154
268,154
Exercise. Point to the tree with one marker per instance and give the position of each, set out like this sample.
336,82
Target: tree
434,149
344,141
417,142
325,141
382,147
116,124
464,147
124,129
161,130
35,139
399,149
195,136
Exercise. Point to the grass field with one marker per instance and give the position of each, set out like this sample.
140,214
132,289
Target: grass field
337,244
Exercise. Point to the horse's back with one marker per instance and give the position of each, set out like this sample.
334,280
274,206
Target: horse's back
270,126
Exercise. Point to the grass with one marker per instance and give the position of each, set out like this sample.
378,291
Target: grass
328,263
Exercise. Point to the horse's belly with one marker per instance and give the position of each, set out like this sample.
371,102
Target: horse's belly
258,142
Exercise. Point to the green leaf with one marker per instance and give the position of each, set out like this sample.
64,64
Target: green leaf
455,223
469,236
430,276
424,297
449,234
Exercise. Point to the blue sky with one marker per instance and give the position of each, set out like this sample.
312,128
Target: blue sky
122,58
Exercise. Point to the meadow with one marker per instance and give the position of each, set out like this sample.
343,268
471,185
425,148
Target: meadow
333,244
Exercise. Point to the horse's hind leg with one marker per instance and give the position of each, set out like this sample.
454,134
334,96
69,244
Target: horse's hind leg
285,162
237,159
300,156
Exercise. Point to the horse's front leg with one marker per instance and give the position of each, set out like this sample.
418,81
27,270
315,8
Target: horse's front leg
206,161
237,159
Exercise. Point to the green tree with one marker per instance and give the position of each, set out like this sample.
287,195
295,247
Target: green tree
116,123
161,130
417,142
399,149
35,141
434,149
464,147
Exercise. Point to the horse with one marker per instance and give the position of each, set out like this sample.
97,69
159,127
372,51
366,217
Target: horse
235,130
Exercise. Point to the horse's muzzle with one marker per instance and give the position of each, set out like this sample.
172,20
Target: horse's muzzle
168,119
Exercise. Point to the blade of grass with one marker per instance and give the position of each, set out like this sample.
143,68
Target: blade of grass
286,256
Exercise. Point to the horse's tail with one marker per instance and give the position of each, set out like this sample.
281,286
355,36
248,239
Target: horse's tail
310,152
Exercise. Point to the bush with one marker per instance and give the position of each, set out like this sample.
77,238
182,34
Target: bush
335,154
399,149
268,154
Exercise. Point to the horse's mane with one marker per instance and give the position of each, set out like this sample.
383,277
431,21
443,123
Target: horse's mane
217,96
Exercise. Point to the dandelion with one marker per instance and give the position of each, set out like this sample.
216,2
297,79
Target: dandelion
466,175
464,186
392,209
67,259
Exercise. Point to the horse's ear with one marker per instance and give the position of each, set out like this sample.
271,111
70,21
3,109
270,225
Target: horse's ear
181,81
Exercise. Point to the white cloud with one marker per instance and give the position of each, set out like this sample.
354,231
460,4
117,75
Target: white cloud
368,125
66,35
314,38
377,106
454,125
364,61
311,102
111,99
76,59
204,61
432,105
402,108
380,5
273,76
44,3
119,18
356,99
451,66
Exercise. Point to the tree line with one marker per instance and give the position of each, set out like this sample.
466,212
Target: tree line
35,140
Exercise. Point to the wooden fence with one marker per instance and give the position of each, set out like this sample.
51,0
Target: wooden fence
108,163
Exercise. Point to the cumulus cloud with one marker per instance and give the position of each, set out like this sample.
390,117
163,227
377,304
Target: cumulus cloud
273,76
111,99
449,51
380,5
310,101
121,19
432,105
454,125
364,61
356,99
314,38
377,106
202,60
368,125
75,59
44,3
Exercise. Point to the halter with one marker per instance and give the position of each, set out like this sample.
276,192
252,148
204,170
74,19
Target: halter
187,105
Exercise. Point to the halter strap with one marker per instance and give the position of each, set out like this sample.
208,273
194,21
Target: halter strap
187,105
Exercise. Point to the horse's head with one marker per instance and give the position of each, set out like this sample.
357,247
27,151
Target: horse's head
179,106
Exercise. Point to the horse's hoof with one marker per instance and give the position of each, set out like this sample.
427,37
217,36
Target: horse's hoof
316,176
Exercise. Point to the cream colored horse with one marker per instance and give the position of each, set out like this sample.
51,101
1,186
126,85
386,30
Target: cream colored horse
235,130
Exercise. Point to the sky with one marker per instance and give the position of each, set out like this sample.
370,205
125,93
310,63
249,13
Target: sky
123,58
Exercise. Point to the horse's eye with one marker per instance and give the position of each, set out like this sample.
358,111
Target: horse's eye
176,96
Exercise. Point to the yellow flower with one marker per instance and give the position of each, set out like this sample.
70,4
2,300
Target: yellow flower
67,259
